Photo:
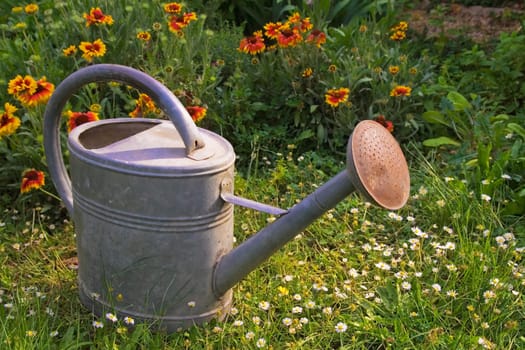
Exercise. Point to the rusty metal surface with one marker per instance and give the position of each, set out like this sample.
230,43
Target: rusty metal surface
378,165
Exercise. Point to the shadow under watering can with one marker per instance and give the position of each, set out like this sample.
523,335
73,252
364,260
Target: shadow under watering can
152,203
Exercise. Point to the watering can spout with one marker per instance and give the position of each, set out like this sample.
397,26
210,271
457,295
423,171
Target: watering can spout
376,168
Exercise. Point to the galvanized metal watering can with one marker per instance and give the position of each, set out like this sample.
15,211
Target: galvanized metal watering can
152,202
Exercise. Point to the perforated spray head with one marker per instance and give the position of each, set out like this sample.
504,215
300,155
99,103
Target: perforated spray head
377,166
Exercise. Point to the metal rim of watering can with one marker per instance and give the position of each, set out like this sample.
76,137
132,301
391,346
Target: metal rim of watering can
159,93
377,166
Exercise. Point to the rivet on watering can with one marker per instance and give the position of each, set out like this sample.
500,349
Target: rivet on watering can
152,203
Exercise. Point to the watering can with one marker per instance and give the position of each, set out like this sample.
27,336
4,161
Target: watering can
152,202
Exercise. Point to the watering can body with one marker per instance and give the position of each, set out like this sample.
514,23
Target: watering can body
150,222
152,203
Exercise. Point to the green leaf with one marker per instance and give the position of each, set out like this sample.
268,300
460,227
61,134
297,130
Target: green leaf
484,156
321,133
363,80
305,134
441,141
472,163
435,117
259,106
459,101
516,128
499,117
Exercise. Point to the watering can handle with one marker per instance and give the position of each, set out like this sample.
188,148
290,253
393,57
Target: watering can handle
162,96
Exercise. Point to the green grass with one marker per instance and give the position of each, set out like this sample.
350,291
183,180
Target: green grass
441,273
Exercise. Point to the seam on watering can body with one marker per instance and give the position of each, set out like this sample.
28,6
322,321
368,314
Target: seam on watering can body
153,224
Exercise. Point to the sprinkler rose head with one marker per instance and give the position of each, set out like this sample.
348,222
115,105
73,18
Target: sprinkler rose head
377,166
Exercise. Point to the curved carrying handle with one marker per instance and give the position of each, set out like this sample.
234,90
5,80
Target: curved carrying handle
162,96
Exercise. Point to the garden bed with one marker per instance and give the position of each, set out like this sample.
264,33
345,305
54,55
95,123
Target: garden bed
480,24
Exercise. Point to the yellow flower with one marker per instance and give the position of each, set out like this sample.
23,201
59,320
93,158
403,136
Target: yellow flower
20,25
31,9
282,290
122,330
393,70
307,72
95,107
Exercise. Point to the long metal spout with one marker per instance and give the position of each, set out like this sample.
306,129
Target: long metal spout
234,266
376,167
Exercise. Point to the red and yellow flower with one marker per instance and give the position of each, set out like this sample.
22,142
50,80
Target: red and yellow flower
69,51
303,24
96,17
272,30
398,32
29,91
398,36
386,123
78,118
32,180
334,97
41,94
253,44
91,50
289,37
316,37
172,8
144,36
177,23
144,105
401,26
197,113
20,85
8,121
401,90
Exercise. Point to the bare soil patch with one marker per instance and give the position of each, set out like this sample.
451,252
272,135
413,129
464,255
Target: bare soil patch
480,24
